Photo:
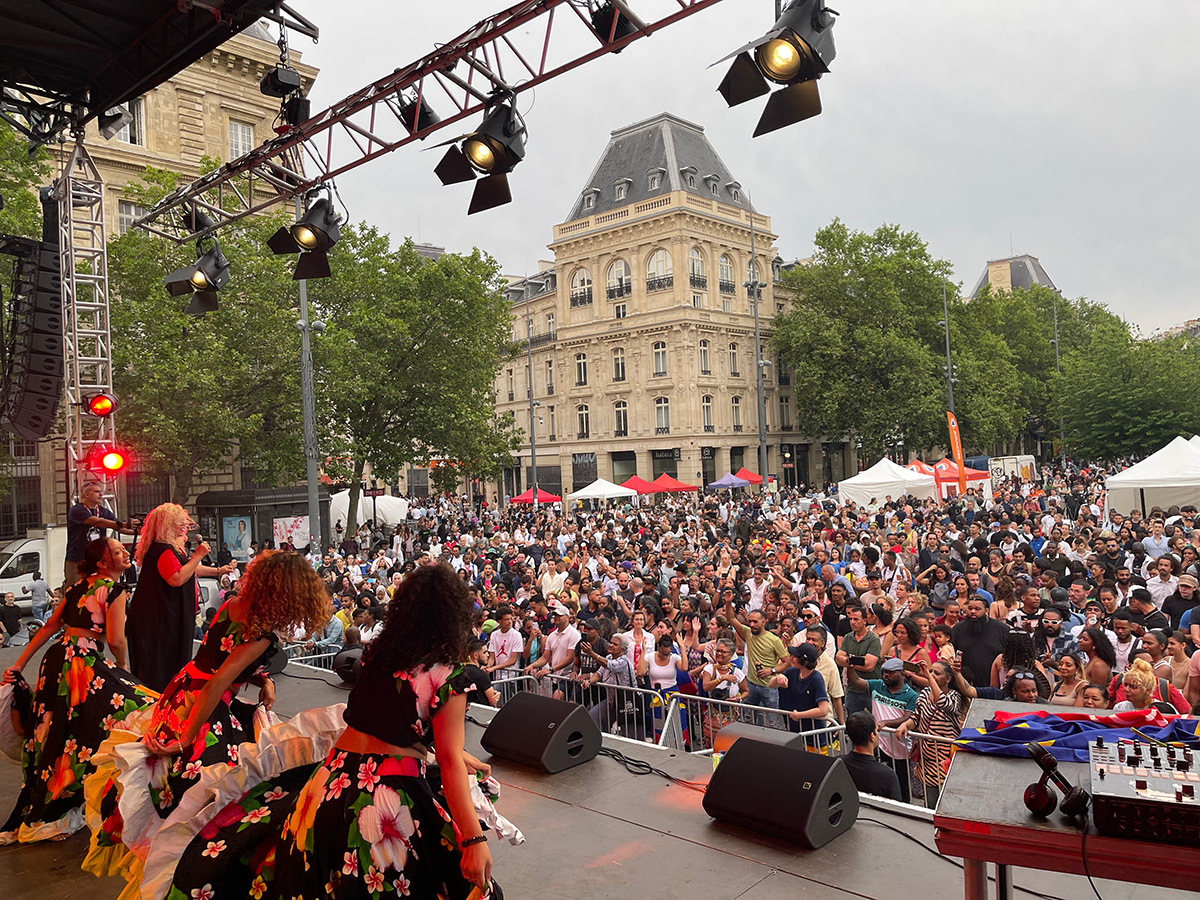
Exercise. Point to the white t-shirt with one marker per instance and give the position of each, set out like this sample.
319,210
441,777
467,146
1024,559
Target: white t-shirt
664,676
506,643
724,690
560,646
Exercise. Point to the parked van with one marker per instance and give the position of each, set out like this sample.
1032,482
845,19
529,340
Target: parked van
41,550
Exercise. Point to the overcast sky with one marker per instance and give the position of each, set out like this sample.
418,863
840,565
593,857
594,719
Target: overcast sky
1069,129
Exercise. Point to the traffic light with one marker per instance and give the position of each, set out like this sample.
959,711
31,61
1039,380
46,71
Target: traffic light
106,459
102,405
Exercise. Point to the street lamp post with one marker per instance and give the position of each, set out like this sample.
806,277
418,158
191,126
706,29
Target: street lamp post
945,323
532,402
1062,434
754,293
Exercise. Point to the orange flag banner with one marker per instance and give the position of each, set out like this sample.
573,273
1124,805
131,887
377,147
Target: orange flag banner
956,448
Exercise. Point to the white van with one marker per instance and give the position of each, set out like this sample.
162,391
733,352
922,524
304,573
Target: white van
42,550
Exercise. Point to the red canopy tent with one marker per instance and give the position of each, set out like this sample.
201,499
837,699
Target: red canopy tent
946,473
746,475
641,485
923,467
665,482
542,497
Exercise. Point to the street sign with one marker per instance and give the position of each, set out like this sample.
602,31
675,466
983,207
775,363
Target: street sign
373,492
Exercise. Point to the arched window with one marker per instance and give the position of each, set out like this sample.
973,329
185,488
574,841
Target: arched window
752,271
706,416
696,269
662,416
735,407
733,359
619,280
581,287
659,349
583,421
705,367
618,365
620,419
659,271
581,368
726,272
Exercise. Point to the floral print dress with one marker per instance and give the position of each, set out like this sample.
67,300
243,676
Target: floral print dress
165,779
360,825
78,699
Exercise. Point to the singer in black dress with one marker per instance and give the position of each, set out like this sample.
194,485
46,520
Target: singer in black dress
162,615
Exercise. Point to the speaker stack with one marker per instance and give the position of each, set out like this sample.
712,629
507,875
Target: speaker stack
33,377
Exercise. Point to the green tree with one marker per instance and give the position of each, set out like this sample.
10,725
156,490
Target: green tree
406,366
1122,396
861,338
197,391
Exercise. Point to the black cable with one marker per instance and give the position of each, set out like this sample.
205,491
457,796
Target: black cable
1087,870
950,860
641,767
288,674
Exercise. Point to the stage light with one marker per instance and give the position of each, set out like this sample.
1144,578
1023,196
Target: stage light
611,24
102,405
416,116
311,237
202,279
795,53
105,459
112,121
493,151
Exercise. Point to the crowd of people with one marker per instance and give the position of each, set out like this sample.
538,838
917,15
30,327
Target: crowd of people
871,625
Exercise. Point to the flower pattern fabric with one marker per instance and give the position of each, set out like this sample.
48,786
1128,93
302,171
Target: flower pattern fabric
361,825
78,698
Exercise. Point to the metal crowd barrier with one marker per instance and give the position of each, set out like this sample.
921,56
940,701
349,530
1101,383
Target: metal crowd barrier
693,723
297,656
924,772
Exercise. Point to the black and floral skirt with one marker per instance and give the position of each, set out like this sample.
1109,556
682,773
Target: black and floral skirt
78,699
360,825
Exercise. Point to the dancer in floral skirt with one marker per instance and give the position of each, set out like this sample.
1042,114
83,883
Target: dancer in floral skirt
78,699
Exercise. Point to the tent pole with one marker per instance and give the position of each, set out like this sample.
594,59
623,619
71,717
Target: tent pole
1142,492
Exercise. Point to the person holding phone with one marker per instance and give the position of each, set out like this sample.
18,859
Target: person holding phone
861,650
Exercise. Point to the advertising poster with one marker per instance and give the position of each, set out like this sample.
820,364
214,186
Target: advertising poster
293,529
235,532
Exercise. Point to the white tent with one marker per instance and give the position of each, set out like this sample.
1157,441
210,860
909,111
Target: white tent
1170,476
392,510
884,479
602,490
1195,441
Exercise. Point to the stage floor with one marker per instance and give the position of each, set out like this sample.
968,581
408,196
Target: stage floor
597,831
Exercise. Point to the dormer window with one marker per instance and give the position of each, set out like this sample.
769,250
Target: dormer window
714,184
655,178
622,188
620,192
589,198
689,175
654,181
735,190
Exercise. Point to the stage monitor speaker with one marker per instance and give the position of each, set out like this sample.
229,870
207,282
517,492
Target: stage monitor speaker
538,731
810,799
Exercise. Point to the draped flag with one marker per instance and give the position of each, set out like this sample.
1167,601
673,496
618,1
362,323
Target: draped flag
957,450
1067,734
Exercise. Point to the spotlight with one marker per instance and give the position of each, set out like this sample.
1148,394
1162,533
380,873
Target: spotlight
311,237
611,24
280,82
795,52
102,405
106,459
202,279
112,121
493,151
416,115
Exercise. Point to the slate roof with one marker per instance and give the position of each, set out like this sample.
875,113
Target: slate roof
1024,271
665,143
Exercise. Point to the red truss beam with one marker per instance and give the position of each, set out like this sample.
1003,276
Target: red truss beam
512,51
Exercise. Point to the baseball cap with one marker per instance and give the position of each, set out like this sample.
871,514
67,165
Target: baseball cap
1189,580
805,653
559,610
874,573
893,665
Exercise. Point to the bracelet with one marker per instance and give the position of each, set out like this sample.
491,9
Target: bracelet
478,839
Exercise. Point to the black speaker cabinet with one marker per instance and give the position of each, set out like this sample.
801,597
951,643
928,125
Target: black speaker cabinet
807,798
542,732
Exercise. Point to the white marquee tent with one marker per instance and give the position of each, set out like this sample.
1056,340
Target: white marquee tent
1170,476
884,479
602,490
392,510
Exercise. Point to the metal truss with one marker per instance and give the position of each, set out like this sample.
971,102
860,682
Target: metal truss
87,344
505,54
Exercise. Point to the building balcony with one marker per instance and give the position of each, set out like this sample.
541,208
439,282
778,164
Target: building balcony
554,437
620,289
709,429
734,373
549,390
699,282
511,396
737,429
659,373
706,371
621,432
662,429
546,337
660,283
785,379
787,427
579,383
581,297
727,287
582,435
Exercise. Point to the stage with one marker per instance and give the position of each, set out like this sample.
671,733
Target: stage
598,831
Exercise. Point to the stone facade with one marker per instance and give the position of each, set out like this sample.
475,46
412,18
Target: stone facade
643,332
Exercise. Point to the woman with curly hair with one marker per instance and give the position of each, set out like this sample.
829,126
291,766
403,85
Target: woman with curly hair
199,721
79,696
367,820
162,611
1018,656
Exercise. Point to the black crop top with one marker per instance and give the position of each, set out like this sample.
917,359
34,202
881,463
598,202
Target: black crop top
399,708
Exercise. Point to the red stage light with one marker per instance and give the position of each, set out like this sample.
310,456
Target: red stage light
102,405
